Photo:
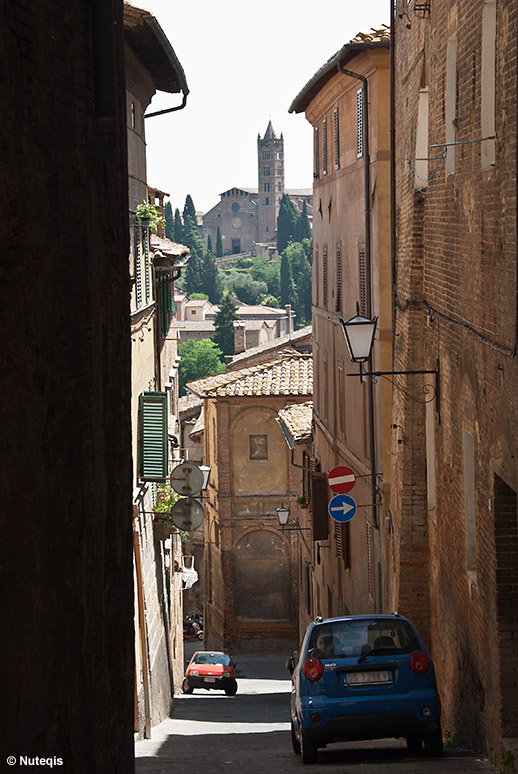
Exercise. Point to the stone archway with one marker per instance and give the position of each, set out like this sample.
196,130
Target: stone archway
262,577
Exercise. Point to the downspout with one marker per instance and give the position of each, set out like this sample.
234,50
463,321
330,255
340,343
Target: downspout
368,273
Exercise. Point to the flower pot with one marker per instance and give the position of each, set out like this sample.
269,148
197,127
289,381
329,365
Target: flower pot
145,222
162,529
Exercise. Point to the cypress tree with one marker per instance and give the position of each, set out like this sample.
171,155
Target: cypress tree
189,210
287,286
209,244
219,244
223,324
169,223
193,275
210,278
178,227
286,223
303,229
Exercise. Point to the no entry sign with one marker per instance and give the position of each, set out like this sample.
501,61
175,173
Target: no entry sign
341,479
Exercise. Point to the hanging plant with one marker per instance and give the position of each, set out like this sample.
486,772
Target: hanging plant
148,216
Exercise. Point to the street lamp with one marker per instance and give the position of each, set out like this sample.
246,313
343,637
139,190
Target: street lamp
283,515
359,334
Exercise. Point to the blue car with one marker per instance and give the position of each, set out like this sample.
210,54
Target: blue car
363,677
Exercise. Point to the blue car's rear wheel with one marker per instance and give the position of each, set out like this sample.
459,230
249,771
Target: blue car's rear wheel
414,744
433,743
294,741
309,750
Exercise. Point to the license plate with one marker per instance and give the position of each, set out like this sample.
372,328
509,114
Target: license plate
210,679
368,678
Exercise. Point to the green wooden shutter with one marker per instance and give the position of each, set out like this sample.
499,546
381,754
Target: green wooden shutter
153,439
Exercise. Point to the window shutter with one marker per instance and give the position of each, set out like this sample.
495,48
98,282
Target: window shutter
362,270
324,146
319,502
153,442
337,139
338,304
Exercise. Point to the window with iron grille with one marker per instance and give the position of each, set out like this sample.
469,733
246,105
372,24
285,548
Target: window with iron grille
359,123
317,153
338,297
138,269
324,146
324,276
337,139
147,285
362,271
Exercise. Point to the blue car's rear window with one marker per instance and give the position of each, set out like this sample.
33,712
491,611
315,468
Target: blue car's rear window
335,639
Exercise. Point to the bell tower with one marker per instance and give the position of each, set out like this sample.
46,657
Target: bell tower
270,159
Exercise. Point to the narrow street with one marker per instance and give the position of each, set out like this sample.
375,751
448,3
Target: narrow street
211,733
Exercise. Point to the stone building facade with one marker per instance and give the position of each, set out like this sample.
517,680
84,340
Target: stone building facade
455,473
155,263
67,581
251,566
351,265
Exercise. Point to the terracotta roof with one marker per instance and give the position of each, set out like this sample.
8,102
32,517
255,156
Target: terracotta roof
296,421
289,376
199,425
146,37
275,345
189,404
376,38
166,248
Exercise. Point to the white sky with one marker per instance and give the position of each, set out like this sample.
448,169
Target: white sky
239,78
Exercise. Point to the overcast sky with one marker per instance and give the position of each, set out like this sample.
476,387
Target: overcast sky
244,63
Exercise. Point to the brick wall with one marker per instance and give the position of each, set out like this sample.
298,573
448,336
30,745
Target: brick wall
456,302
67,615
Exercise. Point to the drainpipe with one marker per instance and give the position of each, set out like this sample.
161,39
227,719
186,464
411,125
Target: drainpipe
368,273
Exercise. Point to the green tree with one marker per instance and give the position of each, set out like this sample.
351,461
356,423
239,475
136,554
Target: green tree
219,243
267,270
303,228
169,221
209,244
224,324
189,210
244,287
210,278
286,223
192,238
287,286
198,359
178,227
192,276
303,293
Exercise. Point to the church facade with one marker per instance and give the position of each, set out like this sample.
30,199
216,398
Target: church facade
247,217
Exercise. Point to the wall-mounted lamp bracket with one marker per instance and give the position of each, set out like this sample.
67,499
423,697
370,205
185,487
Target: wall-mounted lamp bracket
431,391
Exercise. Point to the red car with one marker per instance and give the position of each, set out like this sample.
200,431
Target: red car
210,669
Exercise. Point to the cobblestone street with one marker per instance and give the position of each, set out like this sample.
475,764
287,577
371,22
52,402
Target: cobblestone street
211,733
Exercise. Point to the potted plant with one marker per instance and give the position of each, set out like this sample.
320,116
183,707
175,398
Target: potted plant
302,502
163,525
148,216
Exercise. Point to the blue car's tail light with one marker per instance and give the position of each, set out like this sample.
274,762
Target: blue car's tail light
315,718
418,662
312,669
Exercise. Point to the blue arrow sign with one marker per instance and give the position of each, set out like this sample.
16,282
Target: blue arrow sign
342,508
